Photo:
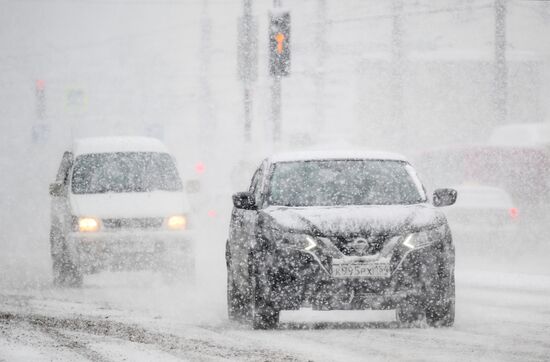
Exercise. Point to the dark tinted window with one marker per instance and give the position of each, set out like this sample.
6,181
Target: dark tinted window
124,172
344,182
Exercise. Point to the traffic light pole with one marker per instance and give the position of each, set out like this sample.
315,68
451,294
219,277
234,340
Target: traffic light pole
276,101
247,100
279,65
276,109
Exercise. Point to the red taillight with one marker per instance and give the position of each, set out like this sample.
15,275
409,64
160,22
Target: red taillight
514,213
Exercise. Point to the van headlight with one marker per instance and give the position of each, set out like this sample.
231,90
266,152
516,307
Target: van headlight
88,224
176,222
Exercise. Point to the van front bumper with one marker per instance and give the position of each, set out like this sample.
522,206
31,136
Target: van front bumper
132,249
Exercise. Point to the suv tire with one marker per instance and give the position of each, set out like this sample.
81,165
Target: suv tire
265,315
409,312
440,309
238,305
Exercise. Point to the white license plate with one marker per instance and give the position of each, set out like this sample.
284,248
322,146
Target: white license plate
360,270
135,247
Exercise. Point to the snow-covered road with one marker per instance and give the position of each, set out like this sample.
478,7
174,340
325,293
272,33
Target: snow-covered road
137,316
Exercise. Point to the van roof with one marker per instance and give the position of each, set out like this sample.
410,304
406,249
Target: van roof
117,144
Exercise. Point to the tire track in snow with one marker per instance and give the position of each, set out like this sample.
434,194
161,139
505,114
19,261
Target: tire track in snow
176,345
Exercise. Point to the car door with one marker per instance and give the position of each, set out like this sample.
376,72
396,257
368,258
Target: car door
243,229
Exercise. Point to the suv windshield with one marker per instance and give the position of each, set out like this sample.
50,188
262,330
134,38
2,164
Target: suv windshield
124,172
344,182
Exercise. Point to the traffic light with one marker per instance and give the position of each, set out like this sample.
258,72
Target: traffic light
40,96
279,43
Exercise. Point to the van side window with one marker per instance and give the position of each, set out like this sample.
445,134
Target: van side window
64,167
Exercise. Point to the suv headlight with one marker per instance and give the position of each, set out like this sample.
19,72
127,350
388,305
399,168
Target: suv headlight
423,238
303,242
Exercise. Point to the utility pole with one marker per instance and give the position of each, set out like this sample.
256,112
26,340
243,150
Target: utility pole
322,51
40,129
397,66
247,61
501,68
206,114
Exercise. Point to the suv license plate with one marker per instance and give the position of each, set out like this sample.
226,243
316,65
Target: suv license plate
361,270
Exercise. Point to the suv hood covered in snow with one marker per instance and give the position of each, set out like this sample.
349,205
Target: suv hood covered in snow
341,220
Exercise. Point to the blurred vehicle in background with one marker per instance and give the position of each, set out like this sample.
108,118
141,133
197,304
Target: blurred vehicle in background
523,172
521,135
484,218
118,203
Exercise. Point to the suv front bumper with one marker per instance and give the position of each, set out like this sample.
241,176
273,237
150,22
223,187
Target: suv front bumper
297,279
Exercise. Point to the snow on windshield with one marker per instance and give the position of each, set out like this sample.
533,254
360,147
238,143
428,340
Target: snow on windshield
124,172
342,182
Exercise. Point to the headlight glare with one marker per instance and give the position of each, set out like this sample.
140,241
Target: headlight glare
311,244
418,240
177,222
303,242
88,224
424,238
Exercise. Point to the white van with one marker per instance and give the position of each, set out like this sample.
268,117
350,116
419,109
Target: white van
118,203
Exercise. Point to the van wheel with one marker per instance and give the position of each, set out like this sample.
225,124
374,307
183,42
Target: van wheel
174,270
66,273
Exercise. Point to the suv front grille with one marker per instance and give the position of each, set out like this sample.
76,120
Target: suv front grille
358,245
134,223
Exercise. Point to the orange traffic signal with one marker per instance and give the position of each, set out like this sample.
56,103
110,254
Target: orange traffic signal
279,38
279,43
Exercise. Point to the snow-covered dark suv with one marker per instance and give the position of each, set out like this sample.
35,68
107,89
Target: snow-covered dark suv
339,231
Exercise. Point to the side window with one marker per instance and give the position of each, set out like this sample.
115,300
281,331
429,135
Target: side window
64,167
256,184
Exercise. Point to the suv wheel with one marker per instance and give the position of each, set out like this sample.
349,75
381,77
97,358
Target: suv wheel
409,312
264,314
238,305
440,309
265,318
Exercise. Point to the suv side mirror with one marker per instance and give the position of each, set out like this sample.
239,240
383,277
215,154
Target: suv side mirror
57,189
444,197
192,186
244,200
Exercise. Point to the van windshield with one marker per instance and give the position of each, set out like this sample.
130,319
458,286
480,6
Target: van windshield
97,173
